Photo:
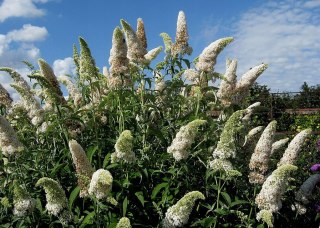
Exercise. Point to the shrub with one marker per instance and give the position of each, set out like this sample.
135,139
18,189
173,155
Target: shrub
139,144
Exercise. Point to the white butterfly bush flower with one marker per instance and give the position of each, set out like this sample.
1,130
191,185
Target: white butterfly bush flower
73,91
5,98
208,57
294,147
83,167
54,94
124,222
253,133
9,142
152,54
141,34
57,202
178,214
269,198
250,76
101,184
226,147
136,51
28,100
124,148
278,145
119,63
23,203
259,161
181,144
167,42
181,45
228,84
192,75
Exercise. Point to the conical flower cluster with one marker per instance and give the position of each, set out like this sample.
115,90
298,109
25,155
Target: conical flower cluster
246,81
233,92
253,133
178,214
35,111
228,84
119,63
278,145
57,203
226,147
23,203
54,93
101,184
83,167
9,142
141,34
181,45
124,148
136,51
208,57
269,198
88,70
73,91
152,54
181,144
167,42
5,99
291,153
259,161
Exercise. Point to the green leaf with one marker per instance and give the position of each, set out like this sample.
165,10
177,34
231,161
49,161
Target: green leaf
156,190
73,196
39,205
124,206
238,202
187,62
140,197
91,152
106,160
112,166
226,197
88,220
221,211
206,222
56,168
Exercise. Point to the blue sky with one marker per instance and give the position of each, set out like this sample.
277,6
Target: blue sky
284,34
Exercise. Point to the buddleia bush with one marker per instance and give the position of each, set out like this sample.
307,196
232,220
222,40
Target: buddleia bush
146,144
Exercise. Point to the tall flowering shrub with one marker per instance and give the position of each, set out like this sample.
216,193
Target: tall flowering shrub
149,141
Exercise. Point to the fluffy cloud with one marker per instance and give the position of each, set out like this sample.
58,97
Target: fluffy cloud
64,67
284,34
20,8
16,46
28,33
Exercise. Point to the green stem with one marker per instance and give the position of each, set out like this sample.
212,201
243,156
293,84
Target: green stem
252,204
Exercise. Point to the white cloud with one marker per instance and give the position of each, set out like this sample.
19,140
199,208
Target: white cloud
286,36
16,46
28,33
20,8
64,66
312,4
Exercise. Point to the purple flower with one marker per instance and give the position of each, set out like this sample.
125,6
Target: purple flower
315,167
317,208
